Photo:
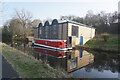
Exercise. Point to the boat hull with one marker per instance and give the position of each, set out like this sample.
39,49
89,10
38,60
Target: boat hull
51,44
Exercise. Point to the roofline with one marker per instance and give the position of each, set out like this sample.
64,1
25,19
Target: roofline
69,21
80,24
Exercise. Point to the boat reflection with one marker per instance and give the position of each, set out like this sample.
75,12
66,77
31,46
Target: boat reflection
56,59
69,61
55,53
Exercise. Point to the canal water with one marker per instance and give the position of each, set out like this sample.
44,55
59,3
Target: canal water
79,63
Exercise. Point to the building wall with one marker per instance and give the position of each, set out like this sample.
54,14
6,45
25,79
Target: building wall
70,33
40,32
65,31
58,31
86,32
43,32
62,31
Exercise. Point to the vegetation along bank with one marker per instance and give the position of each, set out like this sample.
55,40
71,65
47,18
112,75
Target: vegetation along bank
104,42
28,67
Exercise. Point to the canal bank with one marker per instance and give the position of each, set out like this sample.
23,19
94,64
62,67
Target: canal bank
80,63
98,44
28,67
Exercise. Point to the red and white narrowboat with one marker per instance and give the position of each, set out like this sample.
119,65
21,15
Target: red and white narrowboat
52,44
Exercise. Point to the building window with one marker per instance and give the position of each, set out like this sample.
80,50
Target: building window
40,31
75,31
46,36
55,31
46,32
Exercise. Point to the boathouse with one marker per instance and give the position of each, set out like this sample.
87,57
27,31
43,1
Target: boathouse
75,33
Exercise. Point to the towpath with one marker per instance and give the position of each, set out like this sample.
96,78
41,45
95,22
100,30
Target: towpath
7,70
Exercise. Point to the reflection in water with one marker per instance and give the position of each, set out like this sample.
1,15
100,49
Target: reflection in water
105,65
106,61
54,58
80,63
73,59
58,54
79,59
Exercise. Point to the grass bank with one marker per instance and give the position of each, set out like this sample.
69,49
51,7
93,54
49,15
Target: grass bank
28,67
99,44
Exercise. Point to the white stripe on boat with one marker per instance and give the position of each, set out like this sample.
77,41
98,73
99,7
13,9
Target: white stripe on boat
51,47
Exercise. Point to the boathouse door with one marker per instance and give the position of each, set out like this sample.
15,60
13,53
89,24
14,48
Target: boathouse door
81,40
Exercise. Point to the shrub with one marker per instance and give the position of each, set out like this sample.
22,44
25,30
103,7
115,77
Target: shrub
105,36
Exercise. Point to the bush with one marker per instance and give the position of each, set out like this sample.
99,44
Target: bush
105,36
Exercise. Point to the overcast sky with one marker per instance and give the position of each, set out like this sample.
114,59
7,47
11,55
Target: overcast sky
43,9
119,7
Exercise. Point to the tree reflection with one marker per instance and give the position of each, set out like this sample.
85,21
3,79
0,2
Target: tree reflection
104,61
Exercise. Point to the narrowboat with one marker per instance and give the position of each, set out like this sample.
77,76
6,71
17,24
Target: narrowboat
52,44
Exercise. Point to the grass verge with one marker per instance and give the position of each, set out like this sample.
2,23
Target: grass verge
28,67
111,44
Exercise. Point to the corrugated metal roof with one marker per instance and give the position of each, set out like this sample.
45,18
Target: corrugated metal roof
69,21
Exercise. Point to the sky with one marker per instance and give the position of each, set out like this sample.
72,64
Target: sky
54,9
119,7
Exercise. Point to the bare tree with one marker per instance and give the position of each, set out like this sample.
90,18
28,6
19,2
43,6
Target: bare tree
24,17
70,17
15,28
25,20
36,22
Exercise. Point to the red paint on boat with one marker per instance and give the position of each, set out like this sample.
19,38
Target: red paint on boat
52,43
